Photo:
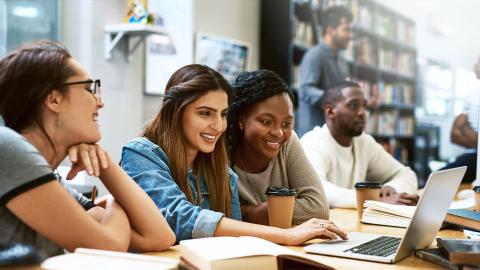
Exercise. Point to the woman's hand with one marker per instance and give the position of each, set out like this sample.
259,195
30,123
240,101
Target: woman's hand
89,157
314,228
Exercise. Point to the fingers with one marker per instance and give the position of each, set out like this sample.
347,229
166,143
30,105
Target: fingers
411,197
102,155
89,157
85,158
92,154
328,229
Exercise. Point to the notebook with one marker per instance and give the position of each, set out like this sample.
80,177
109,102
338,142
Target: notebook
429,214
245,252
95,259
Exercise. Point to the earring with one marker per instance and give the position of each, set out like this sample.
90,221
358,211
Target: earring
59,123
241,126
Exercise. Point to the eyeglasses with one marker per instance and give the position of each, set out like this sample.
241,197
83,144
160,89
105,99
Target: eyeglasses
93,87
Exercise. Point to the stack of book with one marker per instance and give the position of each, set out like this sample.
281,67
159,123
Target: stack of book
453,253
381,213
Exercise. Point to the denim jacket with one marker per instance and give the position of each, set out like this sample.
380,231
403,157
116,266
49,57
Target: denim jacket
148,165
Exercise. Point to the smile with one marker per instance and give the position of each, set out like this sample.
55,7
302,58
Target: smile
273,144
208,137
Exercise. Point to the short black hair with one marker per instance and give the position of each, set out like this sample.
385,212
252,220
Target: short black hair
334,93
333,15
250,88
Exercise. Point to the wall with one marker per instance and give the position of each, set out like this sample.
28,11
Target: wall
81,31
126,108
235,19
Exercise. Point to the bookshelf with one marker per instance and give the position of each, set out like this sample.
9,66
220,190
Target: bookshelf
381,57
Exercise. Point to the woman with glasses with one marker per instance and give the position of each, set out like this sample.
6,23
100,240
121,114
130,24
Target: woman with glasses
181,162
50,108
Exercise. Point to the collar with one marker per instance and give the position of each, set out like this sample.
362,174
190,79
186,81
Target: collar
328,49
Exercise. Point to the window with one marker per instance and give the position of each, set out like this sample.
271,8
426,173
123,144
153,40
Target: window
26,20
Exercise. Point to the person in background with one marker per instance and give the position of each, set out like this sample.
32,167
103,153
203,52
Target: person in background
181,162
322,66
50,108
265,151
465,133
342,154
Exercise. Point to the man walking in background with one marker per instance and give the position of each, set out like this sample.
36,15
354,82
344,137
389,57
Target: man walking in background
321,67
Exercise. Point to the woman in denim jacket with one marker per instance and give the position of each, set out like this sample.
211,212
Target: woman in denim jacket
181,162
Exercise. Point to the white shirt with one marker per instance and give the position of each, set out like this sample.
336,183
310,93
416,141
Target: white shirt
340,167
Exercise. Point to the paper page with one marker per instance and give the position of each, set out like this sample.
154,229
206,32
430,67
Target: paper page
400,210
73,261
218,248
463,204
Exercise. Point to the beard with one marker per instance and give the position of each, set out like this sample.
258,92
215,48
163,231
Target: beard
339,43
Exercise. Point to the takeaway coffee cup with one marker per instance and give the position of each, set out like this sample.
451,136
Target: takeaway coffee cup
476,189
366,191
280,203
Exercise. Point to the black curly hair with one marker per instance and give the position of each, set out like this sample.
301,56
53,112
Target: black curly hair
250,88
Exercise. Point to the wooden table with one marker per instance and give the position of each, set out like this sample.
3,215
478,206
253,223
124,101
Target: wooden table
347,220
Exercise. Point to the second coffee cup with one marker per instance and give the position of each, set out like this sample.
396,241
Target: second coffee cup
280,206
366,191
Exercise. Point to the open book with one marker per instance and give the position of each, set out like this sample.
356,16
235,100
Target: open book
381,213
93,259
242,253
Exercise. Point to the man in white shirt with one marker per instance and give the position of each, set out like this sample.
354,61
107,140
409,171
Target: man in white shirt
342,154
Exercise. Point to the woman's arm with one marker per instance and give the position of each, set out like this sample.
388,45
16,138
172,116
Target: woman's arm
294,236
150,231
311,201
49,210
255,213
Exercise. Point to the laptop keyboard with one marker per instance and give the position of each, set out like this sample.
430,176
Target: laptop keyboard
382,246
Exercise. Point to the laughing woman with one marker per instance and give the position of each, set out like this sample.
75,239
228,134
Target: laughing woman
181,162
266,152
50,107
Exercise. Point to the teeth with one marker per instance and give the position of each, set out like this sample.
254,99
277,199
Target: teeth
208,136
273,144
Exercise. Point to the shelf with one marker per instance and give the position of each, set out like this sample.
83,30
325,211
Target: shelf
384,39
115,32
388,137
402,107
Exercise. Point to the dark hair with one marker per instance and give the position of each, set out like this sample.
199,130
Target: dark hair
184,87
249,89
27,76
334,93
333,15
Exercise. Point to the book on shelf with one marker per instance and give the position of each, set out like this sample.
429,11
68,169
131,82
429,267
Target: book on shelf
460,251
95,259
434,255
242,253
381,213
464,218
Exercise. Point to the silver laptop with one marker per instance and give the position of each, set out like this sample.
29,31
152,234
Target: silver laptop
427,219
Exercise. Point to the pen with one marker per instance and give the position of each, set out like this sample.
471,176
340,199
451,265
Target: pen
94,193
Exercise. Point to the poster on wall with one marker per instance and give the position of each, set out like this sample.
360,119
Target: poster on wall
167,53
227,56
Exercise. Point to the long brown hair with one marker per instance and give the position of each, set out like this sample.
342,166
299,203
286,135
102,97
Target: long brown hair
27,76
184,87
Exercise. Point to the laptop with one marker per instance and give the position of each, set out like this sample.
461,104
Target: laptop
422,230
